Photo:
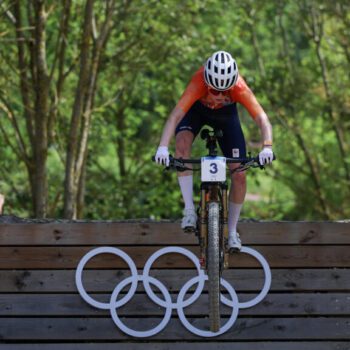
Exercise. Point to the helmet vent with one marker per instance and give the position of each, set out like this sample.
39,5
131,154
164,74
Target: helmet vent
211,81
221,71
230,81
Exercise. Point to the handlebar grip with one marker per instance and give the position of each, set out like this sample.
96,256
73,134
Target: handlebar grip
262,165
171,158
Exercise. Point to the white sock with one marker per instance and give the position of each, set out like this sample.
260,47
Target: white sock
186,185
234,211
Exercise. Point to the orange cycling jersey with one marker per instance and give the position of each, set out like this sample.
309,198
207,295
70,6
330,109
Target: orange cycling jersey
197,89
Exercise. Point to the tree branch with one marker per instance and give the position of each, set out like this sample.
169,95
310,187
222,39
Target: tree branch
59,57
11,116
22,66
8,13
7,139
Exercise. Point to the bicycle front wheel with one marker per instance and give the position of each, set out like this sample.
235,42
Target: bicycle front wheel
213,266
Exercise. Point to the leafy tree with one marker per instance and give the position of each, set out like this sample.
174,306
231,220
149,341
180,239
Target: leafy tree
86,86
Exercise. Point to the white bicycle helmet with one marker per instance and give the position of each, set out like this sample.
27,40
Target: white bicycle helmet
221,71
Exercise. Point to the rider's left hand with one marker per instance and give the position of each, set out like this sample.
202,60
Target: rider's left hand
162,156
266,156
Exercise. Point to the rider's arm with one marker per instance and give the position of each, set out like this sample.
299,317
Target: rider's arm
193,92
262,120
174,118
245,96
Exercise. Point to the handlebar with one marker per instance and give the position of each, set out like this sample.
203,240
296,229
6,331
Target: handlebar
228,160
247,162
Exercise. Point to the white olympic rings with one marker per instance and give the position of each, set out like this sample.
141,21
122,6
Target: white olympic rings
167,303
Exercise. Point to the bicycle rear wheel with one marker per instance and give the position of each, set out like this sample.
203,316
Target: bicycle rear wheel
213,266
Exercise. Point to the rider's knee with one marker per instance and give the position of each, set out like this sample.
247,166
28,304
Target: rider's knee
239,178
183,146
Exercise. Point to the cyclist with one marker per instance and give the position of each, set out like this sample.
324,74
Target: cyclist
210,99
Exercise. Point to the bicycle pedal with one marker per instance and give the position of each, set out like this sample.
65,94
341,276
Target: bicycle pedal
189,229
234,250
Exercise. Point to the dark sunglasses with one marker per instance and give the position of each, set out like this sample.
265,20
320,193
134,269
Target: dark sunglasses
215,92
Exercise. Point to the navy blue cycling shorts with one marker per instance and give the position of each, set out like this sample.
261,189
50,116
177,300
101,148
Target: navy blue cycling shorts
232,143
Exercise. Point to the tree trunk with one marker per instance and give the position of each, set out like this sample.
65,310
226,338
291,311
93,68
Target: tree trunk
83,107
23,67
81,190
26,98
60,57
70,187
121,142
41,111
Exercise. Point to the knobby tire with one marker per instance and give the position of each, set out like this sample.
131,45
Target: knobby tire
213,266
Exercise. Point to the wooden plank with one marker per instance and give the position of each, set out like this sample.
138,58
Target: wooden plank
93,234
275,304
68,257
283,320
168,233
103,329
103,281
261,345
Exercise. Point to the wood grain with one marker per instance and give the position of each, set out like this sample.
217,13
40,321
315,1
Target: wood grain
103,329
148,233
213,345
68,257
104,281
275,304
307,308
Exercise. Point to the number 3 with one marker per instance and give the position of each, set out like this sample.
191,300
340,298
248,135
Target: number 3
214,169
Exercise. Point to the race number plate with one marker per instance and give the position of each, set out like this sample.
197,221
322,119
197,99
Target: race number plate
213,169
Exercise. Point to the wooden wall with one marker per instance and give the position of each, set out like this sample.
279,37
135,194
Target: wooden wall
308,306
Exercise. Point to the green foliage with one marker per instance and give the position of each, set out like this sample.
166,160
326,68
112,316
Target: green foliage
151,53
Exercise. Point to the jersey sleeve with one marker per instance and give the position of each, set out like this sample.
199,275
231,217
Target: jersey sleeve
243,95
193,92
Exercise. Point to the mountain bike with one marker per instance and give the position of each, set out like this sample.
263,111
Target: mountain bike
212,228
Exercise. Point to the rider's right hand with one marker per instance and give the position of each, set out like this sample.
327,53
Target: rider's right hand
162,156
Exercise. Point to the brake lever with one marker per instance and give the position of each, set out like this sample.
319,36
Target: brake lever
262,166
251,164
176,164
180,166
